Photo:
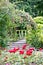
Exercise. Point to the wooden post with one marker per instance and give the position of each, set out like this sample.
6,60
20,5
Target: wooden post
25,33
22,33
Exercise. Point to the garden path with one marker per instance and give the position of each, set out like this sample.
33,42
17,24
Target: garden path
17,44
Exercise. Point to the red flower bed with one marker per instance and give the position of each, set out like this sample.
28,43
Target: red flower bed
14,50
28,52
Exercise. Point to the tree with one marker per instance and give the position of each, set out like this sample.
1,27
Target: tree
39,8
31,6
4,23
3,28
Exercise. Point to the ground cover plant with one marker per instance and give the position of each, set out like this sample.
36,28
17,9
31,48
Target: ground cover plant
24,56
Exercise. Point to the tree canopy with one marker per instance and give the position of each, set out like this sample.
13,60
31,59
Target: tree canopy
34,7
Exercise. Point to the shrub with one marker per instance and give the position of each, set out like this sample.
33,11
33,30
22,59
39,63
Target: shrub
39,21
4,22
32,39
35,37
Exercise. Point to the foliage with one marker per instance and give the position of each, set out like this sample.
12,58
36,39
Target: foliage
12,18
3,27
5,23
32,38
16,58
34,7
35,37
39,21
40,7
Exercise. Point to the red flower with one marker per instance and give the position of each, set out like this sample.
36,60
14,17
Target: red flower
24,46
16,48
31,49
29,52
21,51
40,49
11,51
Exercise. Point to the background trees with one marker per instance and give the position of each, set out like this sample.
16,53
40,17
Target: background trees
34,7
9,19
4,18
40,8
14,14
4,23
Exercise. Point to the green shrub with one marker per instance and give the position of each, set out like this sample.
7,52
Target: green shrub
35,37
39,21
4,21
32,39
